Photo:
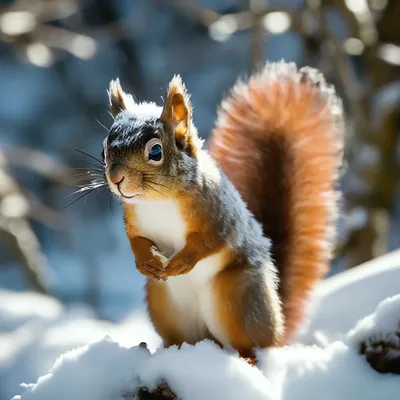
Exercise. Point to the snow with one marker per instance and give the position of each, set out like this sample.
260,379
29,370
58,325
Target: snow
31,349
88,368
343,299
335,371
204,371
101,360
103,370
384,317
331,373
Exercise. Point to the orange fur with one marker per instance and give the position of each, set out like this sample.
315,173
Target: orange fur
164,314
235,299
199,244
279,140
145,261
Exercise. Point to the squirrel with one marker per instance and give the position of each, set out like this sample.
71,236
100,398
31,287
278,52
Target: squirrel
232,240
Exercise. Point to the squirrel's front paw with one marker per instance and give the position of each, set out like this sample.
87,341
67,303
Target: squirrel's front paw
179,266
155,267
150,269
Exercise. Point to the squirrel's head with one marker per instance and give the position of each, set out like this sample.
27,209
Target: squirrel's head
150,152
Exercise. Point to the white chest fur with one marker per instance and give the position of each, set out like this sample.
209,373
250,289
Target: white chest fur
162,223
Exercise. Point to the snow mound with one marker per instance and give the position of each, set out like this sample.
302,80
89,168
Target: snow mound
386,317
336,370
343,299
36,329
102,370
107,371
205,371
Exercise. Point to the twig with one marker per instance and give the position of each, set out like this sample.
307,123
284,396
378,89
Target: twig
26,245
39,162
256,34
347,77
14,225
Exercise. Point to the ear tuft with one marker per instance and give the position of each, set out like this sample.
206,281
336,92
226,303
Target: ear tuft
177,111
117,98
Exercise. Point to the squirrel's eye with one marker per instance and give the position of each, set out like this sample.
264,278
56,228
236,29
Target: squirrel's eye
155,153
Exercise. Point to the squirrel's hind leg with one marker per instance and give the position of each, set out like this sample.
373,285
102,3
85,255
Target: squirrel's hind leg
247,310
163,313
173,321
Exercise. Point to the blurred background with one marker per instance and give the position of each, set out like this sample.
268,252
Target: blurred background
56,60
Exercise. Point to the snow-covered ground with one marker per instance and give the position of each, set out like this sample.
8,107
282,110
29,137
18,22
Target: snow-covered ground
35,330
340,301
102,360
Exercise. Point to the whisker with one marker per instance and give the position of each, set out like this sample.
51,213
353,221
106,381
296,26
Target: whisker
89,169
80,197
94,167
92,184
156,174
147,186
91,163
102,125
84,188
90,173
89,155
83,181
158,184
110,199
89,180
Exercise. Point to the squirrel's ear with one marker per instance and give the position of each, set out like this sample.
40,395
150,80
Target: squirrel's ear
117,98
177,111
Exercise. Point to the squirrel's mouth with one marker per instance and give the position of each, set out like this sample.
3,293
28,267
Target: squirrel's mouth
121,186
126,196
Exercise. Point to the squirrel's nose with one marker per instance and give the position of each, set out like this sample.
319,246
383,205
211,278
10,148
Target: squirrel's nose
116,173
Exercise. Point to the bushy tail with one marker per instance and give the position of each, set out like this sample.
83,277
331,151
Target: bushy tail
279,138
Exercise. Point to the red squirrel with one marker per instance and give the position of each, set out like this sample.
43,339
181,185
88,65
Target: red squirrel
233,239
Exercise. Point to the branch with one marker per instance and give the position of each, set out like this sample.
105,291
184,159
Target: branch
346,75
256,34
39,162
14,225
27,247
